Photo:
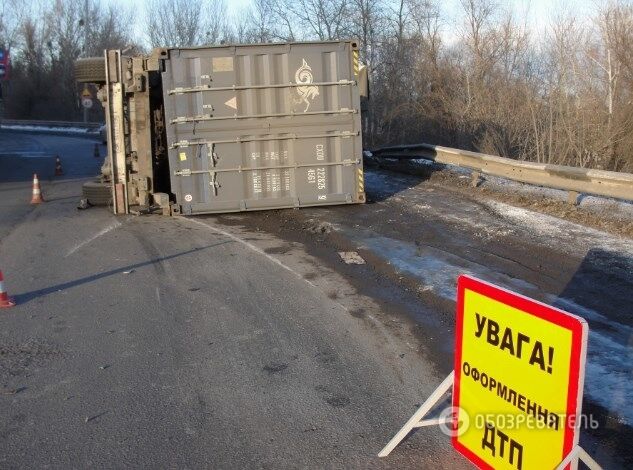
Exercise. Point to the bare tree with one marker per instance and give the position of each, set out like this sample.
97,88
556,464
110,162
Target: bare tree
321,19
12,14
480,81
261,22
50,36
426,22
367,24
108,28
179,23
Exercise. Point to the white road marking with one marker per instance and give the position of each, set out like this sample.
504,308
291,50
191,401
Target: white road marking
252,247
386,334
109,228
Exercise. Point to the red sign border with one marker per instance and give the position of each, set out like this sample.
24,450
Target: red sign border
577,326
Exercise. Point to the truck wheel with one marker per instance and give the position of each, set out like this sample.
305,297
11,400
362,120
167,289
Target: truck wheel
97,193
90,70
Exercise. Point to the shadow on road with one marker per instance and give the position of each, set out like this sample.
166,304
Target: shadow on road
604,274
28,296
601,291
15,168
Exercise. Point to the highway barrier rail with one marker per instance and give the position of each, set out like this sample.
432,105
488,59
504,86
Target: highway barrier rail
579,180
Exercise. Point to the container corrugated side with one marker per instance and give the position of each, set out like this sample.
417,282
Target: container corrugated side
263,126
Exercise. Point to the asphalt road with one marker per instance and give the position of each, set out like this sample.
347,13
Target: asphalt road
164,342
243,340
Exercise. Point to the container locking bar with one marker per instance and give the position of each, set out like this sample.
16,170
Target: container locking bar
238,140
202,88
208,117
189,172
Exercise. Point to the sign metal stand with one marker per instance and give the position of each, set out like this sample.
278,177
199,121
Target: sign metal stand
578,454
512,321
417,421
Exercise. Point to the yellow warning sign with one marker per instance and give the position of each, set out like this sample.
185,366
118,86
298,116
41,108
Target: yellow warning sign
519,373
86,93
182,156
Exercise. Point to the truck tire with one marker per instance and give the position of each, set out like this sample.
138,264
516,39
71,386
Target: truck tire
97,193
90,70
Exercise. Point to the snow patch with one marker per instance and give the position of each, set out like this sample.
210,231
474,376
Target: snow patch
423,162
561,230
609,381
60,130
586,201
27,154
435,268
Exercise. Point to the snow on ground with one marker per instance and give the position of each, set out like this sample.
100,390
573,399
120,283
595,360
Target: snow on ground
556,230
28,154
56,130
506,220
619,207
609,379
625,208
437,270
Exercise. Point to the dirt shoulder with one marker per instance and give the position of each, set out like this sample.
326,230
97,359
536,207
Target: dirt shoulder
609,215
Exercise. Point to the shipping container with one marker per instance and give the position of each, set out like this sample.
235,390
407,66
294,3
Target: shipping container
235,127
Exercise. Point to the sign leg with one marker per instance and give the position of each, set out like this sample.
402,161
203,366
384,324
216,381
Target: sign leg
579,454
415,420
588,460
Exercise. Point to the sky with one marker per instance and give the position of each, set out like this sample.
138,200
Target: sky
539,7
538,10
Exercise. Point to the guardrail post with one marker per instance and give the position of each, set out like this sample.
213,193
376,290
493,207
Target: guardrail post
475,179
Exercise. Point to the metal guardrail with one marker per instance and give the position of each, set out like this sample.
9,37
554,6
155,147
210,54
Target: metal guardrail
37,123
568,178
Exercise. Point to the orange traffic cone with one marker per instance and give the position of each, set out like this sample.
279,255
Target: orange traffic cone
97,154
5,300
58,167
37,191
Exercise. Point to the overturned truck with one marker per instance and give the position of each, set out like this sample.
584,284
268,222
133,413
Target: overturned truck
231,128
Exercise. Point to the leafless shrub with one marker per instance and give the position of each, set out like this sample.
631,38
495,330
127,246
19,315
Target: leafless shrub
481,80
